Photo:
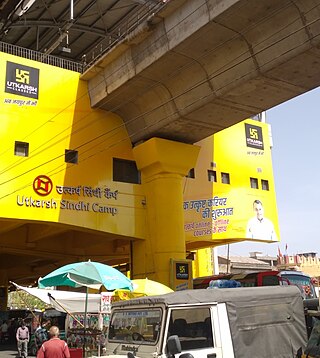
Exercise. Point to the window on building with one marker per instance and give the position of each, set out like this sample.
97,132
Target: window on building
21,149
254,183
225,178
126,171
212,176
264,184
71,156
191,174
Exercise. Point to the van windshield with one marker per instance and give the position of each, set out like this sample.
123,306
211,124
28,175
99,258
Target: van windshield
136,325
303,282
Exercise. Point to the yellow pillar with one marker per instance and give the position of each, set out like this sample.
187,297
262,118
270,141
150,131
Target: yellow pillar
163,165
203,265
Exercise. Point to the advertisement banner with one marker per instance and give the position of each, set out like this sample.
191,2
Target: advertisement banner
57,153
232,197
181,275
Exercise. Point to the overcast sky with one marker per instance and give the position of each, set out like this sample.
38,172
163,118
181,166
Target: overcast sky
296,168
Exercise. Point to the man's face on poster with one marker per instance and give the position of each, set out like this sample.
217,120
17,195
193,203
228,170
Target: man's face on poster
258,209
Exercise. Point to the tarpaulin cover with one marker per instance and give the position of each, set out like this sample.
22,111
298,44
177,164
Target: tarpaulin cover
71,301
264,321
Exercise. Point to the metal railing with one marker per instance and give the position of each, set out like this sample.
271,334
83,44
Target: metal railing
41,57
123,29
127,26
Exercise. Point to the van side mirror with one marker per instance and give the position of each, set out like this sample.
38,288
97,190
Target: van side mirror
173,345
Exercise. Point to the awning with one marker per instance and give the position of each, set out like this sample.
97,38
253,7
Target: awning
66,301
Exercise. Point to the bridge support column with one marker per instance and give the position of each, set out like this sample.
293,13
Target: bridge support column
163,165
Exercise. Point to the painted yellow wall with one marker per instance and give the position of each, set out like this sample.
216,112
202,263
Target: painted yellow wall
57,116
218,213
61,118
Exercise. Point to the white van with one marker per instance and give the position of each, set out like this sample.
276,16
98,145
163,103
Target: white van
212,323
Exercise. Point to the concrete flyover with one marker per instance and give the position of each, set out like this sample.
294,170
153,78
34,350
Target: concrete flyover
199,66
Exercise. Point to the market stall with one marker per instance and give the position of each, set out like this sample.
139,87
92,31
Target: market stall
91,335
78,334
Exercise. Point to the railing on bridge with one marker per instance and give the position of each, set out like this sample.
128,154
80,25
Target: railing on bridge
123,29
41,57
129,24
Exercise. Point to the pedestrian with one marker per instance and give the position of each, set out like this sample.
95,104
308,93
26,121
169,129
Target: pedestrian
41,335
54,347
4,331
22,337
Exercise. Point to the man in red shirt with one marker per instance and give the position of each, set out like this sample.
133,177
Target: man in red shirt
54,347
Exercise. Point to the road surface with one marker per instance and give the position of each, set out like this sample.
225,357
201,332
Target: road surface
8,351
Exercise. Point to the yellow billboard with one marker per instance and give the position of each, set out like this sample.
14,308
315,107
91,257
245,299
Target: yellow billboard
232,196
57,153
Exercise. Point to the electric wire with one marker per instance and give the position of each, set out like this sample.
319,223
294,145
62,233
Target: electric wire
208,52
113,109
263,19
107,148
153,109
131,135
126,138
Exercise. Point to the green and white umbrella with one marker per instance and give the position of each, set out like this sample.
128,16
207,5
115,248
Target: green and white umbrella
89,274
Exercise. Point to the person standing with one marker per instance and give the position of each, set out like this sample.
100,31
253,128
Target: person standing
22,337
40,335
54,347
4,331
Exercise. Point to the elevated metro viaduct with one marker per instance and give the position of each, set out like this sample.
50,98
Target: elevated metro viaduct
190,70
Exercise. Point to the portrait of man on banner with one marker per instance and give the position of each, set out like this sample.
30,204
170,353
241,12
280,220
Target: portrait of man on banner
259,227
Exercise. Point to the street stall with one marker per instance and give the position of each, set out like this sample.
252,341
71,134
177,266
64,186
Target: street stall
87,314
91,336
73,330
88,328
94,309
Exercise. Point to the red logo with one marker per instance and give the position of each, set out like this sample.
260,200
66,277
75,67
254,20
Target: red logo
42,185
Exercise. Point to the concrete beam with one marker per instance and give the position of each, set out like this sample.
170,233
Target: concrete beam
44,231
204,65
7,226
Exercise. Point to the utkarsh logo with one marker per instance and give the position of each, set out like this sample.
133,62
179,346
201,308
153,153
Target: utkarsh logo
22,80
42,185
254,136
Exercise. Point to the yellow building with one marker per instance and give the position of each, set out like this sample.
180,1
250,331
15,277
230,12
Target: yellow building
72,187
232,197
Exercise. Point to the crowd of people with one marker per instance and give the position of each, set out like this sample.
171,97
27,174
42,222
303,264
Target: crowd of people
8,330
46,337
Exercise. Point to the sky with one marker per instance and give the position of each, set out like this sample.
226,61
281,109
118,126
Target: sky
295,128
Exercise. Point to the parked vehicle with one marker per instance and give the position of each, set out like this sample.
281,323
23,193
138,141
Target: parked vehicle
228,323
300,279
264,278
